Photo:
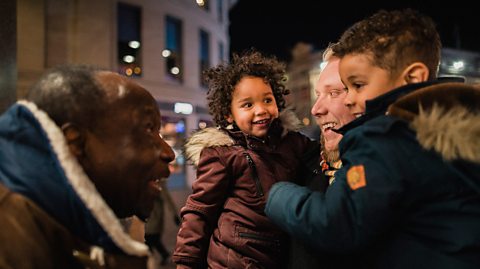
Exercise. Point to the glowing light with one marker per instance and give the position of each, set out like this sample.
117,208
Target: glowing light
134,44
137,70
202,125
180,127
128,58
458,65
175,70
306,121
128,71
200,3
183,108
166,53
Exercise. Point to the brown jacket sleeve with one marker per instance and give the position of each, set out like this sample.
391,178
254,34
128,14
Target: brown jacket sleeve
201,211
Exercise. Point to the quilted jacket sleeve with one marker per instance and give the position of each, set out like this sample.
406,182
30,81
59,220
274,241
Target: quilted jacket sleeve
202,208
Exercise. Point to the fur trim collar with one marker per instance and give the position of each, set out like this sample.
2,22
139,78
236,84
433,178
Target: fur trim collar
208,137
215,137
446,118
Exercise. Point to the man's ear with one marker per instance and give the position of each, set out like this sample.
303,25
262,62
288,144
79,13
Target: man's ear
75,138
415,73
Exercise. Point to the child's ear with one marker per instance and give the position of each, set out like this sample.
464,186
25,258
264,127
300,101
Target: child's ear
415,73
230,119
75,138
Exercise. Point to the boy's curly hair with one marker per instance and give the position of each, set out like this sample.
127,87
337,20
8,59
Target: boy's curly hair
394,39
223,79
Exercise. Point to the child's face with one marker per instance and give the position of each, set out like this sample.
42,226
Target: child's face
364,81
253,106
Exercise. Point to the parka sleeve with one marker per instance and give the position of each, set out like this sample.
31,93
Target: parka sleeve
347,216
202,209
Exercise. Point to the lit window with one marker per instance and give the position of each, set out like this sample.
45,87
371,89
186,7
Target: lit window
129,19
173,49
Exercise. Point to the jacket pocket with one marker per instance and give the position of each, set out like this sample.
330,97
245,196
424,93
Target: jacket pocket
256,239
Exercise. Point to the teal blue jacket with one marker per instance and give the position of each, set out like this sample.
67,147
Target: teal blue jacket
400,200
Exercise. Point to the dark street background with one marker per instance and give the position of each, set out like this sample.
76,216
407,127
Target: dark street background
275,26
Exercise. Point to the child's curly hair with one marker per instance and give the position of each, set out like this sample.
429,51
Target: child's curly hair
223,78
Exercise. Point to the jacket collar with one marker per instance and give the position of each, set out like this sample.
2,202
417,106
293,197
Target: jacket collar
252,142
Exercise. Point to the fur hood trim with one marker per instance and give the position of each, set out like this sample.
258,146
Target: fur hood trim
290,121
208,137
446,118
215,137
453,133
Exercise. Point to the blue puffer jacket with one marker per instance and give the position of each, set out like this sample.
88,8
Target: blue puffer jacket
36,163
408,195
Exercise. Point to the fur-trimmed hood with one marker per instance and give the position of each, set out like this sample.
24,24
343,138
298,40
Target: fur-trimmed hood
446,118
36,162
214,137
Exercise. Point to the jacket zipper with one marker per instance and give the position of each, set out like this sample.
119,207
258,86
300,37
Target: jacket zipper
258,185
258,237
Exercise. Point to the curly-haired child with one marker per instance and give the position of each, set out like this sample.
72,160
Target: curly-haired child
255,145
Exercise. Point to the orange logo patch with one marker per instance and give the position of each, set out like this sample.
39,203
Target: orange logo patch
356,177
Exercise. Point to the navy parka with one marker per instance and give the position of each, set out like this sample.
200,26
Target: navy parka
395,203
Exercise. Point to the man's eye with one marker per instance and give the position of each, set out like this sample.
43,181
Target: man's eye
337,93
334,93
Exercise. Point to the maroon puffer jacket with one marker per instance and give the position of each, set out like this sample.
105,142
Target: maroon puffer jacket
224,224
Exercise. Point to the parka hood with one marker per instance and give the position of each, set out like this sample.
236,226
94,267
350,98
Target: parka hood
215,136
36,162
446,118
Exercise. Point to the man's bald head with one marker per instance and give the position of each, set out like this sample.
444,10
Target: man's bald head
70,94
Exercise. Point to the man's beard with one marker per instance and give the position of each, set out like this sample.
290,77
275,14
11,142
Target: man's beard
330,155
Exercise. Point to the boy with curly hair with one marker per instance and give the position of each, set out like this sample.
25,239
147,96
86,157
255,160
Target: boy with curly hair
255,145
408,194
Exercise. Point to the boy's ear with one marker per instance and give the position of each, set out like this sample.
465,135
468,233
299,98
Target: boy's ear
415,73
75,138
230,118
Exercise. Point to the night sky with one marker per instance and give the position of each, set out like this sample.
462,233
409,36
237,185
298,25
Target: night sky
274,27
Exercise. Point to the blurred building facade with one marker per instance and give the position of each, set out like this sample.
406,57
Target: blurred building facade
305,66
162,44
